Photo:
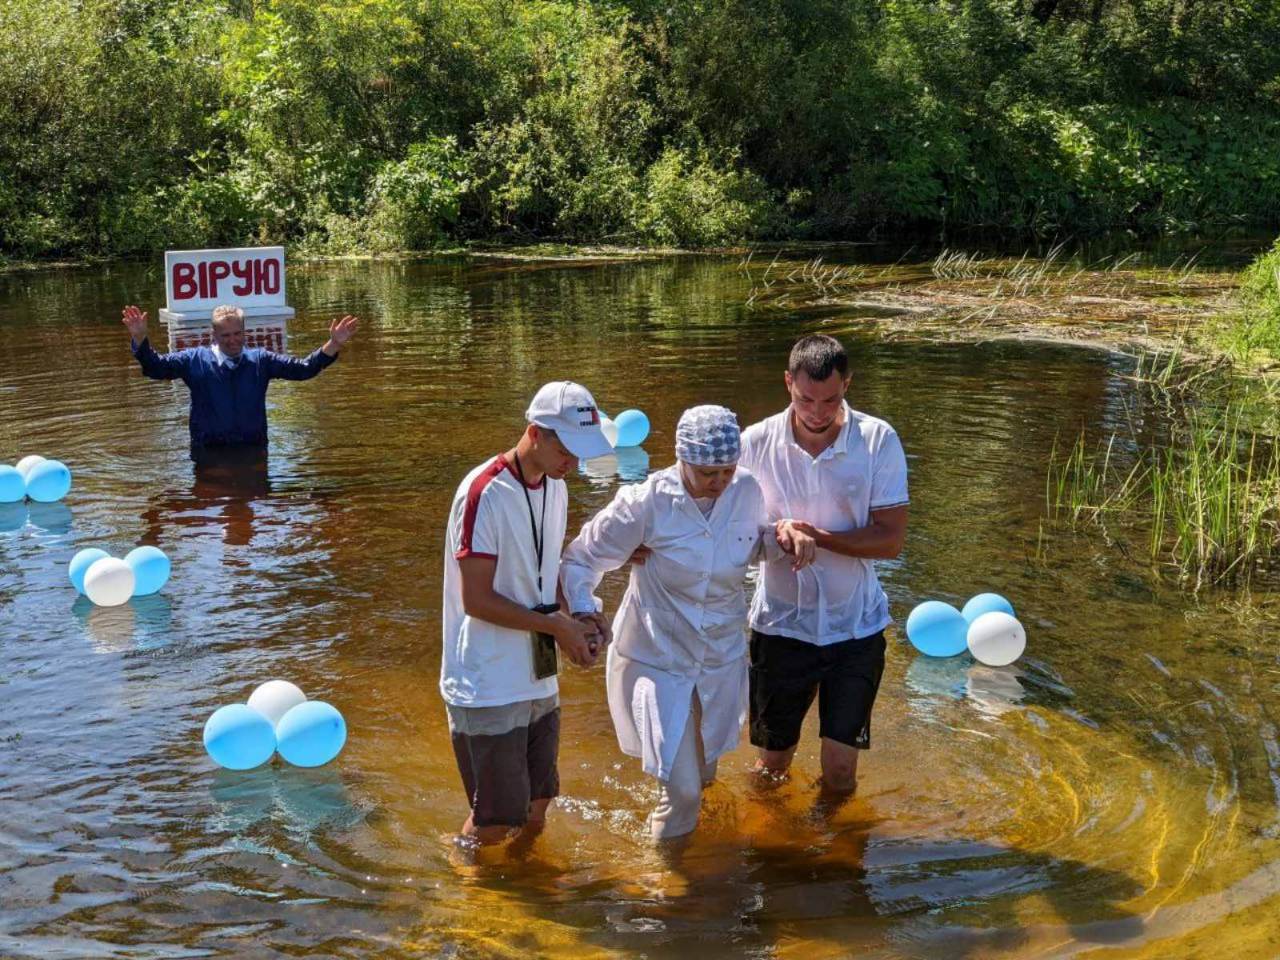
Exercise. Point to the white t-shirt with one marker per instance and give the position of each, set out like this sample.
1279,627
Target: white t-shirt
482,664
838,597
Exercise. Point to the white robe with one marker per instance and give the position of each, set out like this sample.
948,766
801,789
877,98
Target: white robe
682,625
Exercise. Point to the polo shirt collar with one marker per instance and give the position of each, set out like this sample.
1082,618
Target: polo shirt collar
841,443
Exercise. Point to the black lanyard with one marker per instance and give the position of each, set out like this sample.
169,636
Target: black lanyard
538,541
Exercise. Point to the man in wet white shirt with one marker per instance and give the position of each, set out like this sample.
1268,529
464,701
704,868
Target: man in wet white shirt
501,621
841,477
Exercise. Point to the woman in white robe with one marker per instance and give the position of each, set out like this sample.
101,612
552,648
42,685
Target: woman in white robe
677,668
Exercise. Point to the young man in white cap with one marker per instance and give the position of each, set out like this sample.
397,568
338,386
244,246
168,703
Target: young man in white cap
840,475
502,624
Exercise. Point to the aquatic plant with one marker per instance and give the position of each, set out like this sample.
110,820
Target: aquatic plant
1208,495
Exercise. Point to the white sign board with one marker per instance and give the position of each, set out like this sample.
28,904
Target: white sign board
196,281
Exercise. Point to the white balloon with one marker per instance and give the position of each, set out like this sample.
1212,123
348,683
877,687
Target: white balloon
610,431
996,639
25,465
275,698
109,582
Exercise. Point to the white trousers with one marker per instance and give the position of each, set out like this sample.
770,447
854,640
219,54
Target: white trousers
680,797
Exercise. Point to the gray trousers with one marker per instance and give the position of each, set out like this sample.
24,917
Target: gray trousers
680,796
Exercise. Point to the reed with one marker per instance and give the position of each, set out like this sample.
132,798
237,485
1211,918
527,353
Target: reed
1209,498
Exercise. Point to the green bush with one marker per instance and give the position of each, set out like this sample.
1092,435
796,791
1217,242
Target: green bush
689,201
414,201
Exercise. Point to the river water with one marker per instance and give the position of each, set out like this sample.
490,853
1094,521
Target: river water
1113,794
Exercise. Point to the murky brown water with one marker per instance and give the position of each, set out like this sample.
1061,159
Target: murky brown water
1113,794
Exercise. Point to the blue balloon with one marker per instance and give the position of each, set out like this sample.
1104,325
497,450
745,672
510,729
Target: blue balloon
80,564
49,481
938,629
986,603
633,428
239,738
150,569
12,487
311,734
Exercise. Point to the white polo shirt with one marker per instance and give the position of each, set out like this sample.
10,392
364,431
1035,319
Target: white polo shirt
838,597
482,664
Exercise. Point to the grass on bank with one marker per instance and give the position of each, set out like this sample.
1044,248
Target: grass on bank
1251,332
1207,498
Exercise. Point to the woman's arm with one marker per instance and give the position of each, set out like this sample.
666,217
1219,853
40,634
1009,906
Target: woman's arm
605,543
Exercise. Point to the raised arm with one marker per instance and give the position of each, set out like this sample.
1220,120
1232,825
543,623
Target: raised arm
291,368
605,543
157,366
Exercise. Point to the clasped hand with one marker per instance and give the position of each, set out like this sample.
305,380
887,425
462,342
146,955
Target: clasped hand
797,539
581,636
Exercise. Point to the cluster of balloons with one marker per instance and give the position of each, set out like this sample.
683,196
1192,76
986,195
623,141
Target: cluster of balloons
109,581
278,716
986,627
629,429
45,481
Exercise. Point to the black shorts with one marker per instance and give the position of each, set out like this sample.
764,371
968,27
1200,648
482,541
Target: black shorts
786,674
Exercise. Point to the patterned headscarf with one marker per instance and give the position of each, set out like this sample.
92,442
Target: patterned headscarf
708,436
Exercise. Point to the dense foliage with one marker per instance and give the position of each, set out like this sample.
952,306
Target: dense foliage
132,125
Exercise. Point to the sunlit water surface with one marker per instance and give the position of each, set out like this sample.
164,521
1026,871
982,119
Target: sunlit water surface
1112,794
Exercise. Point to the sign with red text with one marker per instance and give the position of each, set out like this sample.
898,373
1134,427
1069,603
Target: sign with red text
196,281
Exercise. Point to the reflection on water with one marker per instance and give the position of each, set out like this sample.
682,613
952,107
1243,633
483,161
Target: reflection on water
992,691
628,464
304,803
51,519
143,623
226,484
13,516
1116,792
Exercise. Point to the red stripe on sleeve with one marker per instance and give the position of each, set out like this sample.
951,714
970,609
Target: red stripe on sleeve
474,493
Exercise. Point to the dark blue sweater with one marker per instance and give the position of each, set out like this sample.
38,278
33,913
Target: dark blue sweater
228,406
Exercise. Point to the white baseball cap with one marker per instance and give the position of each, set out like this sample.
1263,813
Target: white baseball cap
569,409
